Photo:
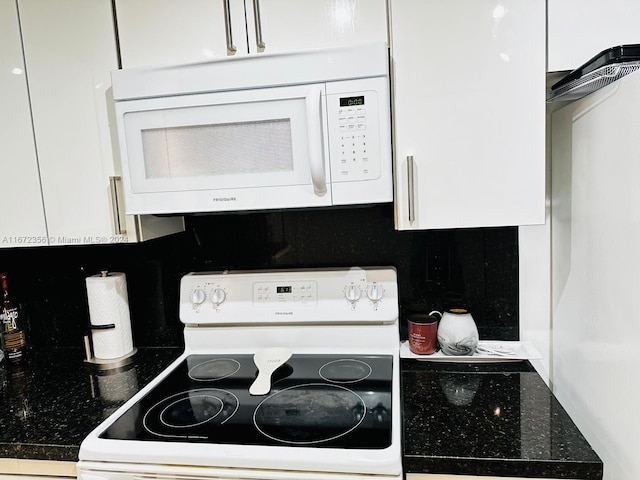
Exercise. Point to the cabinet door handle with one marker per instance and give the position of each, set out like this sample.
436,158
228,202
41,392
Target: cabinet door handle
231,48
256,16
412,212
118,221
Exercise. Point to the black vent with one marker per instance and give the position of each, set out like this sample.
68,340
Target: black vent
603,69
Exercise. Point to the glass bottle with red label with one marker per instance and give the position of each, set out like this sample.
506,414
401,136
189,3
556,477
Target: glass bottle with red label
13,338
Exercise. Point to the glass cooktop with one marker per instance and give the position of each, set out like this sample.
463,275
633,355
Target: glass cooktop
315,400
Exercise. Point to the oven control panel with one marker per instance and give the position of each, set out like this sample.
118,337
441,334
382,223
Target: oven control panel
270,294
354,295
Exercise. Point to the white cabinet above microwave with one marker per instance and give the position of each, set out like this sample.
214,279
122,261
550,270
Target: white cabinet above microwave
163,32
303,129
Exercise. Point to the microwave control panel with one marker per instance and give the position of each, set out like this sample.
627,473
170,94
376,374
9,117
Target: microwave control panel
354,135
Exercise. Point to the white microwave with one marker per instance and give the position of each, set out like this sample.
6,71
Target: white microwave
269,131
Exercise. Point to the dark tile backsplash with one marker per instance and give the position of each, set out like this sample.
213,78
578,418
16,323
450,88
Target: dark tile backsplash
475,268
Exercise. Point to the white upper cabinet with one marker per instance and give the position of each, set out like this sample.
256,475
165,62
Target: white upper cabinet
70,51
580,29
469,111
68,64
22,221
163,32
283,25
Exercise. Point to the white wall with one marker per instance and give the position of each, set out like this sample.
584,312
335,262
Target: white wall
534,252
535,292
595,252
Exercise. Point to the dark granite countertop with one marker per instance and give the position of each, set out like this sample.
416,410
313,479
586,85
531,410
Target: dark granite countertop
49,405
481,419
493,419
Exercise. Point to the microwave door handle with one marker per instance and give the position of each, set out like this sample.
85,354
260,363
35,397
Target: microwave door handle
314,129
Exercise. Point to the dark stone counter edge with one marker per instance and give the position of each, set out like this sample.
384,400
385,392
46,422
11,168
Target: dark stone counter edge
411,464
29,451
503,467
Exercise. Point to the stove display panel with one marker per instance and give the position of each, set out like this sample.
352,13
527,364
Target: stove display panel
315,400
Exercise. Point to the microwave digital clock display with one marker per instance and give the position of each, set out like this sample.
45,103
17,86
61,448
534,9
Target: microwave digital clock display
352,101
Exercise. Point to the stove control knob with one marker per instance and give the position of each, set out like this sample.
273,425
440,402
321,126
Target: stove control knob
197,297
218,295
375,292
352,293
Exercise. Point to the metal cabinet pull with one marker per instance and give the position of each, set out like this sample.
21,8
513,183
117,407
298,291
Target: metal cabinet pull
118,221
231,48
256,16
412,212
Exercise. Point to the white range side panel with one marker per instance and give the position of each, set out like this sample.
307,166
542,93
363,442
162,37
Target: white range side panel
469,105
595,264
22,213
294,25
580,29
534,274
165,32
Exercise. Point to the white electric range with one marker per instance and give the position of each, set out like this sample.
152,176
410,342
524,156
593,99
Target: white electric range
331,408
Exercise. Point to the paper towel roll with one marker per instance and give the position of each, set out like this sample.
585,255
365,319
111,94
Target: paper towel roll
109,304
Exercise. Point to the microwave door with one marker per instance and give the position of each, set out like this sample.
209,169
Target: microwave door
226,151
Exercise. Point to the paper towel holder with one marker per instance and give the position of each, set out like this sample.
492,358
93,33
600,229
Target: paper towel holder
100,363
105,364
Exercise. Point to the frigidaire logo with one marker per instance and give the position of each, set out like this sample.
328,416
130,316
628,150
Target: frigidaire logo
224,199
283,313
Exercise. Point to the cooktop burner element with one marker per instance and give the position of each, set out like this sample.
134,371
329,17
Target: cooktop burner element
309,414
216,369
317,400
192,408
345,371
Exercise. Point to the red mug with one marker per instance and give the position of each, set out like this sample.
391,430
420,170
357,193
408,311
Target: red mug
423,330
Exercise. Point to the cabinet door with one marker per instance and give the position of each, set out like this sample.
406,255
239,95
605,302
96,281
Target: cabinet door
22,213
68,64
469,110
285,25
164,32
580,29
